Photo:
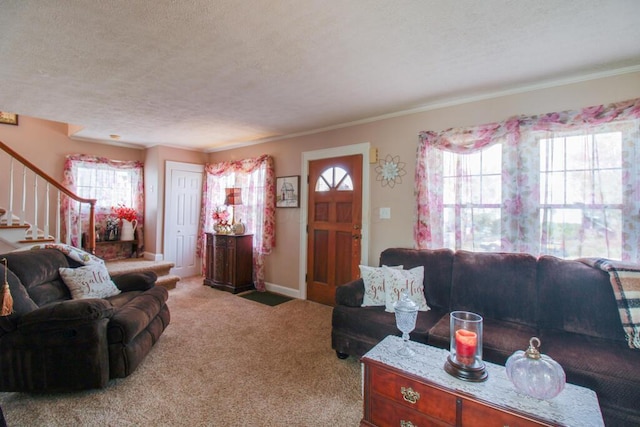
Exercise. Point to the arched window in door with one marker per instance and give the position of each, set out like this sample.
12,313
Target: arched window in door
334,178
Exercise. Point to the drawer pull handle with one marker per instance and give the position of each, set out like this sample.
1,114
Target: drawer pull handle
409,395
404,423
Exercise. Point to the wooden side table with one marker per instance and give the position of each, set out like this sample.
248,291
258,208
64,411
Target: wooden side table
416,391
229,262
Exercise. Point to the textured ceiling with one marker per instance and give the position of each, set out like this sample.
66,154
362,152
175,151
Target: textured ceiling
207,74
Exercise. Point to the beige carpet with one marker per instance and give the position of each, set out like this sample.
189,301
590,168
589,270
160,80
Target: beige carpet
223,361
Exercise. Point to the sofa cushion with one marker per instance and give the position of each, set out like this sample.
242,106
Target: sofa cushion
500,339
437,271
576,298
375,323
136,281
134,311
499,286
22,302
38,271
609,368
350,294
396,281
90,281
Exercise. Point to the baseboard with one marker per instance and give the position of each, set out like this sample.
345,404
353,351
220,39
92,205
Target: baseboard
150,256
282,290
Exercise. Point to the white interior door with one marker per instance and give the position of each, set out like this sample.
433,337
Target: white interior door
183,196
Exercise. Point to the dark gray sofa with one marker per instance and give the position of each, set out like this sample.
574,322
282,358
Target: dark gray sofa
569,305
52,343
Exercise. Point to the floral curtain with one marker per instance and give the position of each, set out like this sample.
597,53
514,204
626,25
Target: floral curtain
520,138
104,185
256,178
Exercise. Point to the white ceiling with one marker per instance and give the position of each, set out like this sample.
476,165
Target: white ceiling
209,74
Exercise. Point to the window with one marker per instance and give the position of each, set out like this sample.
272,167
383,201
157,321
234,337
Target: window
256,178
565,184
334,177
472,199
109,186
581,195
110,182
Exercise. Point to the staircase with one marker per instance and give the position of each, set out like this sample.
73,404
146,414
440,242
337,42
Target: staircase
14,235
133,265
31,205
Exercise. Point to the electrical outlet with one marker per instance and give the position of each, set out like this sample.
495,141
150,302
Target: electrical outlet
385,213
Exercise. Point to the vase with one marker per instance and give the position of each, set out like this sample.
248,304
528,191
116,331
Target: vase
238,228
128,229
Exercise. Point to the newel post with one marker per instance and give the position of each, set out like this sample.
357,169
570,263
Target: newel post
91,234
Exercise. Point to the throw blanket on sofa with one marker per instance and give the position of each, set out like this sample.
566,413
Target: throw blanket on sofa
625,280
84,258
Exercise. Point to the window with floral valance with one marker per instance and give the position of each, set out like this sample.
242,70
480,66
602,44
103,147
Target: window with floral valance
256,178
110,182
566,184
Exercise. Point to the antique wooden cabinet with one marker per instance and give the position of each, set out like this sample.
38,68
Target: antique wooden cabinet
229,262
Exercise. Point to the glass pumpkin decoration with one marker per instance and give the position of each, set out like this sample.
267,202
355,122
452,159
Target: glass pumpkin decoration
535,374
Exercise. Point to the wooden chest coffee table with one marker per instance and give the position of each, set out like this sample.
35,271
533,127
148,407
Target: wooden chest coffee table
412,392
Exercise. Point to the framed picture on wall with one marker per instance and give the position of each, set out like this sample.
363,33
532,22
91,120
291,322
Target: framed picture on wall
288,191
8,118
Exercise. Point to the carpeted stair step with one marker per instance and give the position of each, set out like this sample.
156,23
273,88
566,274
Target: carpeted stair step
131,265
168,281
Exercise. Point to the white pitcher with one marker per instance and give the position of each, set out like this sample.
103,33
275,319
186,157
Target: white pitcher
128,229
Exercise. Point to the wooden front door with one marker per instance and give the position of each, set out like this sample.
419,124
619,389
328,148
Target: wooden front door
334,225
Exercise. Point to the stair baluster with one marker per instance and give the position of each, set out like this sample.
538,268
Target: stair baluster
39,208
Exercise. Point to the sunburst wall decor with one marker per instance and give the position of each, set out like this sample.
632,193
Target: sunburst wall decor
390,171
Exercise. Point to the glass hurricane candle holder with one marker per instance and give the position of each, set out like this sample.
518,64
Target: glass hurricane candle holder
465,347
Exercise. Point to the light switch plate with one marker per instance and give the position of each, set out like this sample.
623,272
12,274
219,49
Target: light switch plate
385,213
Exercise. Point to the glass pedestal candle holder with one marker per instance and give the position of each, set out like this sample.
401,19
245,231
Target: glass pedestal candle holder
465,348
406,315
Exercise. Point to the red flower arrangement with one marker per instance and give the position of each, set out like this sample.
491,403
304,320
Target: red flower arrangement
221,216
123,212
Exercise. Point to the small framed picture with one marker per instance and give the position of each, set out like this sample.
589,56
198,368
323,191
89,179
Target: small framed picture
288,191
8,118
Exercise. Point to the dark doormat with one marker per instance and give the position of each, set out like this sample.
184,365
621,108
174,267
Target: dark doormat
266,298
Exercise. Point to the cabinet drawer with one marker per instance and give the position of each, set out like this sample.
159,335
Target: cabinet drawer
477,414
225,242
413,394
389,413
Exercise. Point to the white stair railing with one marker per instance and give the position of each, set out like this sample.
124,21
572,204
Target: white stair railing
41,205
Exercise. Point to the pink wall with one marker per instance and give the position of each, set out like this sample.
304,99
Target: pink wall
398,137
46,144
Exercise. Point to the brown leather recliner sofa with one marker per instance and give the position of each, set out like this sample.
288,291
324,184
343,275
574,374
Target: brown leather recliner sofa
569,305
53,343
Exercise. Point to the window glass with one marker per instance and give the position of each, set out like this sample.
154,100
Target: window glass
109,187
334,177
472,197
581,195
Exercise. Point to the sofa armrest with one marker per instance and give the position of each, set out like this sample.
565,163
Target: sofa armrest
65,314
139,281
350,294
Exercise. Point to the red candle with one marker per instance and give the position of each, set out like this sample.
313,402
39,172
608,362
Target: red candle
466,342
